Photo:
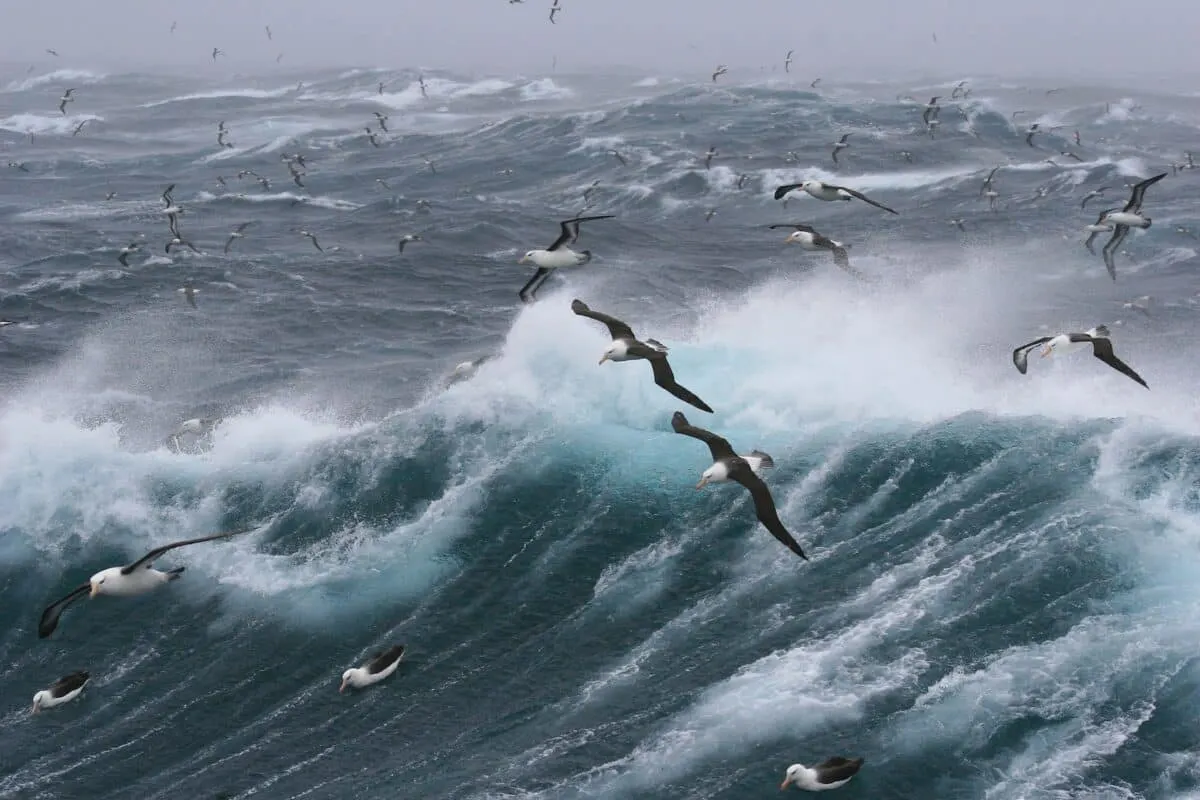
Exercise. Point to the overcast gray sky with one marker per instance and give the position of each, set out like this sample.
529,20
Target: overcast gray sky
851,38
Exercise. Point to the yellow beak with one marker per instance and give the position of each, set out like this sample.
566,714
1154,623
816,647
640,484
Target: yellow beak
703,481
342,688
522,260
35,709
95,590
1046,351
786,782
603,358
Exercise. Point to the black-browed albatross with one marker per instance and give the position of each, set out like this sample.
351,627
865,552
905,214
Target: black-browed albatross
378,666
556,256
828,192
729,466
1130,216
807,237
133,579
63,690
1072,342
829,774
626,347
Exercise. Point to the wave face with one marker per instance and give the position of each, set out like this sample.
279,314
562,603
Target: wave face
1002,599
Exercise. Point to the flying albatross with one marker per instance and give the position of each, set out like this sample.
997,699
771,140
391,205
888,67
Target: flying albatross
64,690
1072,342
378,666
133,579
807,237
829,774
626,347
827,191
729,466
556,256
1130,216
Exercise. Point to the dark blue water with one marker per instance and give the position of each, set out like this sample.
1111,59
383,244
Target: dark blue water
1002,595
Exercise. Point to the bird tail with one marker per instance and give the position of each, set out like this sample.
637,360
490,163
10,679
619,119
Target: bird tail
765,461
587,256
1101,330
657,345
173,574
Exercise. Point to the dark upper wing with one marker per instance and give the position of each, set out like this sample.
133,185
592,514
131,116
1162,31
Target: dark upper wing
1119,234
837,769
717,445
1139,192
52,612
842,259
68,683
1102,349
797,225
153,555
616,328
863,197
764,508
381,661
664,377
780,191
1020,356
567,233
166,195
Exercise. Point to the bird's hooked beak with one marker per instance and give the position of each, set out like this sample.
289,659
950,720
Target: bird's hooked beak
787,781
522,260
703,481
36,707
603,358
342,688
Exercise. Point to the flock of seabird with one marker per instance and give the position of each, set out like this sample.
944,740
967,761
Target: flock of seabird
140,577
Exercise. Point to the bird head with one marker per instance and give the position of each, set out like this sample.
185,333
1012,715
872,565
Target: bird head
706,476
345,680
792,775
608,353
1149,221
96,582
526,259
37,701
794,237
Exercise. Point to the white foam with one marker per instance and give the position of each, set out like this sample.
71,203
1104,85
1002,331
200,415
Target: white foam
219,94
40,123
65,76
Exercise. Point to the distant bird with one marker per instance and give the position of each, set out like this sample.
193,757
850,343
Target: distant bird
408,237
66,98
379,666
553,10
237,233
382,119
189,293
110,195
931,110
839,145
814,83
958,90
221,134
617,155
173,26
52,52
429,163
130,580
787,62
1141,304
829,774
626,346
312,238
1078,143
381,85
1069,154
958,223
383,183
828,192
79,127
587,193
125,252
1029,134
1094,193
708,215
1068,343
741,180
556,256
421,83
268,30
729,466
217,52
907,156
719,71
18,165
709,156
63,690
371,137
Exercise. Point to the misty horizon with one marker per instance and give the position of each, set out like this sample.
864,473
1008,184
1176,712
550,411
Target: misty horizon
861,40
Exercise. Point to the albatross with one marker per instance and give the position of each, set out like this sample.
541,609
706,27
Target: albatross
829,774
729,466
377,667
1072,342
556,256
828,192
626,347
807,237
133,579
1130,216
63,690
